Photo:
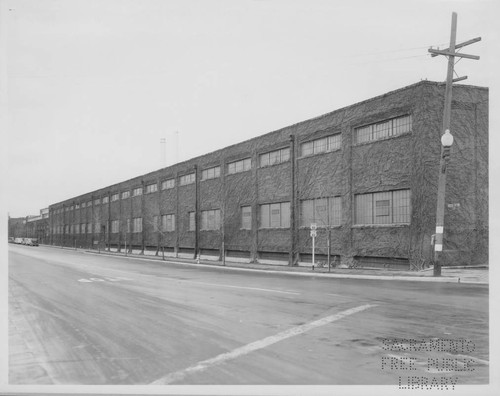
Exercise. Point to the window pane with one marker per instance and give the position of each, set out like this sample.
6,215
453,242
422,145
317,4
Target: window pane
264,159
319,146
364,134
274,157
335,211
382,130
401,125
247,164
264,216
320,212
204,220
246,217
191,221
364,214
307,211
285,214
275,215
401,206
307,148
334,142
285,154
382,203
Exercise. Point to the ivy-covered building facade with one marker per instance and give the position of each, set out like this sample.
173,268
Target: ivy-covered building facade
366,175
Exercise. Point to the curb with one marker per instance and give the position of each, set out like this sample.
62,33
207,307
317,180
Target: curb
408,278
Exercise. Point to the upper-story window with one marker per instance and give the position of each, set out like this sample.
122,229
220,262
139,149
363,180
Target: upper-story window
187,179
381,130
239,166
72,207
105,200
137,191
125,194
77,206
166,184
97,201
322,145
115,197
89,204
210,173
151,188
274,157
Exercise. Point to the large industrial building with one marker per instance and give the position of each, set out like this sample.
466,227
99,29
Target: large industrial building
365,174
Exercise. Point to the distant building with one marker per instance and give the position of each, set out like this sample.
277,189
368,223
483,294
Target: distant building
365,174
33,226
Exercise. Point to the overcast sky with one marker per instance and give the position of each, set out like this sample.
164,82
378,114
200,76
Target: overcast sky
90,87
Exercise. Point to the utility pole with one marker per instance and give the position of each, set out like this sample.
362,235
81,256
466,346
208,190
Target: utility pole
447,139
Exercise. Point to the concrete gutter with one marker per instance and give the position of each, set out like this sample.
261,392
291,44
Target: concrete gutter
299,271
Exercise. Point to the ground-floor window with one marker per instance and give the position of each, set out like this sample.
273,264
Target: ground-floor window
321,211
115,226
210,219
276,215
387,207
137,224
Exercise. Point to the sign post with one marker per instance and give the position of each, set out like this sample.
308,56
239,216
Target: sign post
313,236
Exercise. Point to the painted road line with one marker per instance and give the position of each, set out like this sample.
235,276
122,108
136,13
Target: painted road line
230,286
254,346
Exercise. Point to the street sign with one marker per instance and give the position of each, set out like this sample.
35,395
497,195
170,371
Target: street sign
313,226
313,233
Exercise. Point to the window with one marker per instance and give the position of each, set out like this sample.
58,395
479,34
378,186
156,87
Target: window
105,200
97,227
137,191
274,157
168,222
187,179
151,188
115,197
388,207
321,211
82,228
125,194
384,129
128,225
72,207
155,224
210,219
89,228
77,228
166,184
67,208
275,215
210,173
239,166
89,204
322,145
137,224
77,206
246,217
97,201
192,221
115,226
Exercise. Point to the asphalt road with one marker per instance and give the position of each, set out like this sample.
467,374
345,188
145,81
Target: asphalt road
80,318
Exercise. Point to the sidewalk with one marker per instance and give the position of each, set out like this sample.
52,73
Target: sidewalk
476,275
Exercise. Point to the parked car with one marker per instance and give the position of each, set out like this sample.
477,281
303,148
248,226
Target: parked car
33,242
18,240
11,240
